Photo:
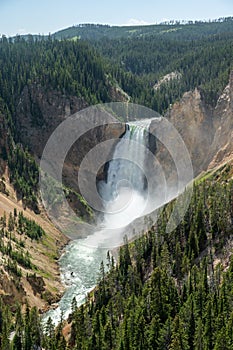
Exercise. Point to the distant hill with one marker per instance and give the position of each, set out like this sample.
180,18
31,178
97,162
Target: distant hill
179,30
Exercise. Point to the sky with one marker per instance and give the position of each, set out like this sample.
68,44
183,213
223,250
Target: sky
48,16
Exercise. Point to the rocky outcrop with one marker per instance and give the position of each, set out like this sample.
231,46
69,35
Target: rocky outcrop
167,78
9,291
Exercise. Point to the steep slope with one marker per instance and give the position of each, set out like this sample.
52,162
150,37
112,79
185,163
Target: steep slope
222,146
30,248
168,288
194,121
206,131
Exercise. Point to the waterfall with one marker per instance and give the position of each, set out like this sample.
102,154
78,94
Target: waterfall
126,167
124,191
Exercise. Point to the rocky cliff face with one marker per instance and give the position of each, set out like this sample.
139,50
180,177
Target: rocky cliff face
38,114
222,146
207,132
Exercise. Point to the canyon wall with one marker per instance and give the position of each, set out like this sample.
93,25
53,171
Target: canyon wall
207,132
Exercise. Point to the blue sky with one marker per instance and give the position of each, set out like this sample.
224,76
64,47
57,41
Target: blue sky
44,16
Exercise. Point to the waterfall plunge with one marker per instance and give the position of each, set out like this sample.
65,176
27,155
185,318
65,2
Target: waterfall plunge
125,190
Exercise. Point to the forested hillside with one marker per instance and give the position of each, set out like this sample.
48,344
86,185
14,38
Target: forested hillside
197,63
182,30
168,291
194,50
138,57
74,69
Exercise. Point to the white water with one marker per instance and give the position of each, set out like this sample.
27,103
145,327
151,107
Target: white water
126,168
125,193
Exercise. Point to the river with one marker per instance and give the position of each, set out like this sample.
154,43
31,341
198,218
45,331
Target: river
79,265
